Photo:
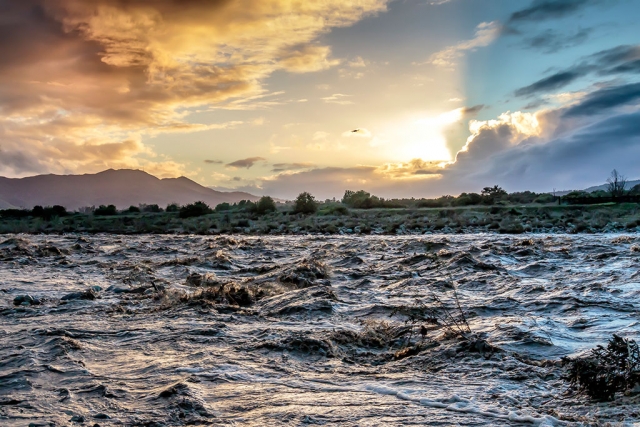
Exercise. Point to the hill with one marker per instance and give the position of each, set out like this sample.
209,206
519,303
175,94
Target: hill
629,186
122,188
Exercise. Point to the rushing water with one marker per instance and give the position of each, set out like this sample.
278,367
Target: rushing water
116,338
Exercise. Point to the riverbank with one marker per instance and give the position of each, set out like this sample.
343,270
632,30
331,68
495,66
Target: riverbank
550,219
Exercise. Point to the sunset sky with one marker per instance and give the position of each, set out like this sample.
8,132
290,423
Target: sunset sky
401,98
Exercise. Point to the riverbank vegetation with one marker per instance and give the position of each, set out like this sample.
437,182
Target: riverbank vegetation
359,212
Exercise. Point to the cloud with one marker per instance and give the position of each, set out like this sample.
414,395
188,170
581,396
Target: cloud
357,62
486,33
601,101
214,162
552,41
468,111
540,10
78,74
553,82
281,167
618,60
309,58
566,147
337,98
245,163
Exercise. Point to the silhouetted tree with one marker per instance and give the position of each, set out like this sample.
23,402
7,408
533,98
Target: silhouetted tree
490,195
173,207
305,203
103,210
194,209
265,204
616,184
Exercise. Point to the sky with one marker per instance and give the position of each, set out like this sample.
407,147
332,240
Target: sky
401,98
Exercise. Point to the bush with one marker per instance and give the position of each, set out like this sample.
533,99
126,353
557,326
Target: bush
223,207
151,208
606,371
265,205
49,212
173,207
194,209
133,209
305,203
545,198
103,210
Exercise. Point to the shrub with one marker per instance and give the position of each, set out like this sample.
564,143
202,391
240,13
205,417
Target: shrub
194,209
545,198
151,208
103,210
305,203
133,209
173,207
606,371
265,205
223,207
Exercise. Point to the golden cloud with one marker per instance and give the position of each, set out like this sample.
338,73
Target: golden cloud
78,74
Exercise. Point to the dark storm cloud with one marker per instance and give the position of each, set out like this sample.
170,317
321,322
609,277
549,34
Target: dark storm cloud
586,156
553,82
552,41
245,163
605,99
618,60
541,10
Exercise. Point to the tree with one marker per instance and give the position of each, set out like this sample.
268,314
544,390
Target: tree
616,184
194,209
173,207
492,194
305,203
103,210
635,190
265,205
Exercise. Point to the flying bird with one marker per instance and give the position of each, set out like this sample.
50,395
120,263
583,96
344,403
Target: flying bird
355,131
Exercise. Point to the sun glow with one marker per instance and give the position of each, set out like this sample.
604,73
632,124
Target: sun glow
423,138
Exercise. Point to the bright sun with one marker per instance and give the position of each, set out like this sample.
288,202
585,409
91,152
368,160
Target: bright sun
423,138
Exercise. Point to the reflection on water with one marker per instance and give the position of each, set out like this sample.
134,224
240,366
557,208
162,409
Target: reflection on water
173,330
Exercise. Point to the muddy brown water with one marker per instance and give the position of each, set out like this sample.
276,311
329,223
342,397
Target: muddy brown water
117,330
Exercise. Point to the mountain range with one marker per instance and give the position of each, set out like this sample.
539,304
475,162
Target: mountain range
123,188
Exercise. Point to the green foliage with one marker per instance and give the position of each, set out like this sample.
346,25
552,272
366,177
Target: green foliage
491,195
545,198
265,205
635,190
223,207
305,203
467,199
150,208
194,209
173,207
363,200
103,210
606,371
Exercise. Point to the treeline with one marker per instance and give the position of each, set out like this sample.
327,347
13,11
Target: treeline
305,203
489,196
46,213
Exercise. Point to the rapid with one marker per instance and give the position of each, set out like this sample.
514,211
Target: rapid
163,330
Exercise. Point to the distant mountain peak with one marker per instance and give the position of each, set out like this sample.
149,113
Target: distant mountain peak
111,186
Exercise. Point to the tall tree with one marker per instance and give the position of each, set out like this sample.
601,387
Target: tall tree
616,184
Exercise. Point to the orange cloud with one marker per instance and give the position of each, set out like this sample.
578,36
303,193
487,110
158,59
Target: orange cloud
79,74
